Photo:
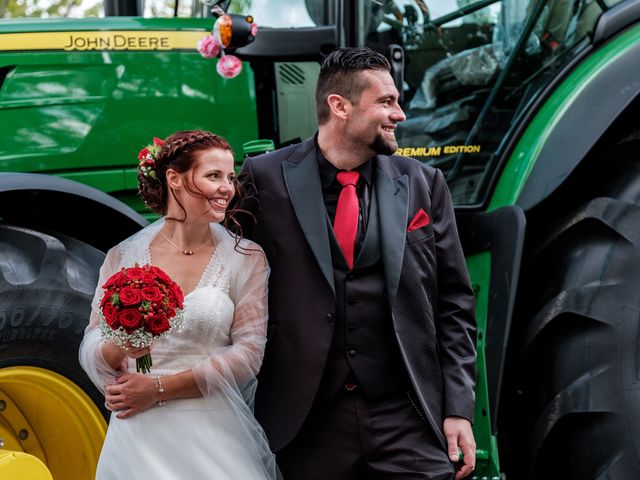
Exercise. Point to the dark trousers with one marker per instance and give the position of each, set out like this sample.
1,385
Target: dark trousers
351,438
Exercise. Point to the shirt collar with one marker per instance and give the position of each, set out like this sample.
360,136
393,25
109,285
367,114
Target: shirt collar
328,171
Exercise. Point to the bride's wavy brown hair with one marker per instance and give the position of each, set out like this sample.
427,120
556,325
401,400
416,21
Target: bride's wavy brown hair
180,152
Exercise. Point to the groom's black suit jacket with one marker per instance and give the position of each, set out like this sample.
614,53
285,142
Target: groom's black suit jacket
430,297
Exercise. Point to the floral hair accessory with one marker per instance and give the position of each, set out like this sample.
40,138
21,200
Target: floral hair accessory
147,158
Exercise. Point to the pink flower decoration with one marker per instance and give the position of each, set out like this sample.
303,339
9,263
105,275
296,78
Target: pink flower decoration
208,47
254,29
229,66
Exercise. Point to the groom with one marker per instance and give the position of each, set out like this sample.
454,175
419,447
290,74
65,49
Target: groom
369,370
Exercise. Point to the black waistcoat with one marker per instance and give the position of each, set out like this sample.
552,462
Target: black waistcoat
364,348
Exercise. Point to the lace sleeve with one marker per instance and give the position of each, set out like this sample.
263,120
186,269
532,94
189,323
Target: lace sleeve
236,366
229,374
90,354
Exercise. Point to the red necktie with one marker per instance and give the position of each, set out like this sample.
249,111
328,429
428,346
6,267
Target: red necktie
345,225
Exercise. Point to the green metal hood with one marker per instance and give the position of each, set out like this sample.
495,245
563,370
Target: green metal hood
88,94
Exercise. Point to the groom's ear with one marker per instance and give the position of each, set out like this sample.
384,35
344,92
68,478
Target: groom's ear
339,106
174,179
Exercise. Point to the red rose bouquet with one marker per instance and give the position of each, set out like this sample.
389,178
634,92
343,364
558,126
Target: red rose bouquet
139,305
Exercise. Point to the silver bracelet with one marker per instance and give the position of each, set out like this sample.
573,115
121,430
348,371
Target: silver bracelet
160,389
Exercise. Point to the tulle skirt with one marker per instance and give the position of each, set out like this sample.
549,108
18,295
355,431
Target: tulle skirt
195,439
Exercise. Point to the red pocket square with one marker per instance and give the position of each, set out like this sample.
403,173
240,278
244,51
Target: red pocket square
420,220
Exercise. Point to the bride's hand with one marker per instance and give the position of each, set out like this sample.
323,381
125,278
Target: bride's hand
131,394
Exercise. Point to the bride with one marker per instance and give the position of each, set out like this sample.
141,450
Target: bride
191,417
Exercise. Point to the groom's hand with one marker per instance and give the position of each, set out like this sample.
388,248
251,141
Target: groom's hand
459,436
132,393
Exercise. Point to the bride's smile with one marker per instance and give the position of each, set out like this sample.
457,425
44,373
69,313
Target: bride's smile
203,192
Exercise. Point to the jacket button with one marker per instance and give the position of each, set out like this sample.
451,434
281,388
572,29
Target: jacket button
330,317
352,353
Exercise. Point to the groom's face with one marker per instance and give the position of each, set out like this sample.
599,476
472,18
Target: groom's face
374,115
209,186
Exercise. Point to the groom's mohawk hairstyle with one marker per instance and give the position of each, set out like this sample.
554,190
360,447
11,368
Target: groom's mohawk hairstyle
339,74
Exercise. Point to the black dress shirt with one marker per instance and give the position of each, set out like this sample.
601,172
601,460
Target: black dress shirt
331,189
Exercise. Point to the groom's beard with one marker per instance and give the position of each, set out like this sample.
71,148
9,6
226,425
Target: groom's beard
382,147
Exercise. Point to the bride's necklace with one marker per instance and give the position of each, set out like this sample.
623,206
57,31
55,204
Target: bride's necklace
183,250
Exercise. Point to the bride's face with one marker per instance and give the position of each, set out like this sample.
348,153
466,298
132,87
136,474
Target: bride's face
205,190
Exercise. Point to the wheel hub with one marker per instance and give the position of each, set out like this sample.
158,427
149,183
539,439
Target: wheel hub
45,415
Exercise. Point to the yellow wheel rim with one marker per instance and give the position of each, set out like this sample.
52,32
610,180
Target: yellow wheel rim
21,466
46,415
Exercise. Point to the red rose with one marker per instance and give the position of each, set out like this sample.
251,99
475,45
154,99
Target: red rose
130,319
121,280
129,296
160,274
143,153
106,299
113,298
176,291
157,142
111,315
133,273
171,313
148,278
117,279
151,294
158,324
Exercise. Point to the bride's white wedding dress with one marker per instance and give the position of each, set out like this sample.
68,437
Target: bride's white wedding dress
222,340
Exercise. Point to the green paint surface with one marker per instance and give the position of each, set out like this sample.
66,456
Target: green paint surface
487,458
85,115
527,151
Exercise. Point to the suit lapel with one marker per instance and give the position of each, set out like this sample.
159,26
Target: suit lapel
392,191
305,190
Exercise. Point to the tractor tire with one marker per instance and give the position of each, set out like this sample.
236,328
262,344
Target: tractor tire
576,383
47,282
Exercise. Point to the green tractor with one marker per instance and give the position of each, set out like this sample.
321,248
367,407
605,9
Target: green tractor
530,107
